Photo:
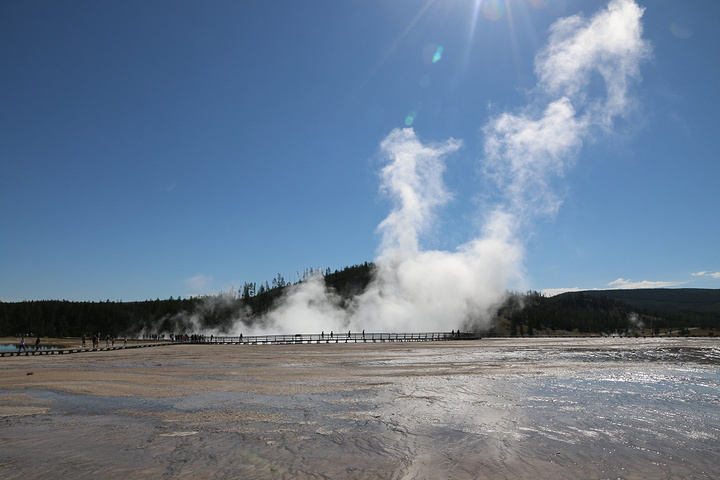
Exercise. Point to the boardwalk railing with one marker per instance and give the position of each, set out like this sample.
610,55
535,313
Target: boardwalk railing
298,338
332,337
62,350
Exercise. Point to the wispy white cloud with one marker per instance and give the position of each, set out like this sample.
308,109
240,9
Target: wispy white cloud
626,284
706,274
551,292
619,284
199,284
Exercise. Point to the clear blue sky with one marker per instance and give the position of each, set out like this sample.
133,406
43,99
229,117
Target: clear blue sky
170,148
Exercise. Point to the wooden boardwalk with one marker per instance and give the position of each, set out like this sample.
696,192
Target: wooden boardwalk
30,351
287,339
347,337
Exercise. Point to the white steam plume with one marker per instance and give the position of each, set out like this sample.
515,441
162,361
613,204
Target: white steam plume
420,290
413,179
584,74
307,307
526,152
609,44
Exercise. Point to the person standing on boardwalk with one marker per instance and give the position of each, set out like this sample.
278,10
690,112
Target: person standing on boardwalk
83,341
22,343
37,343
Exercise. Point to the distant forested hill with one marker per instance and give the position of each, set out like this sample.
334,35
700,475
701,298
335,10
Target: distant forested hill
612,311
175,315
667,299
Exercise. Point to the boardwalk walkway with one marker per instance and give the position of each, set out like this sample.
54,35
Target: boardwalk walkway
347,337
299,338
61,351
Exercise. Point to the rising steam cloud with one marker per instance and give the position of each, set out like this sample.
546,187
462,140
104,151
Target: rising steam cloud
525,152
584,74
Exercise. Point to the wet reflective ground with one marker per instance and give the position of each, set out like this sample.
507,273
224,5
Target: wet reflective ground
603,408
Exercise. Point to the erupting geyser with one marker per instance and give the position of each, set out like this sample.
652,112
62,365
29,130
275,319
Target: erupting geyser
415,289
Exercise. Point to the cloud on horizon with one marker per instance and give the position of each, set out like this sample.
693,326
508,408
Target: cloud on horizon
619,284
551,292
200,284
626,284
706,274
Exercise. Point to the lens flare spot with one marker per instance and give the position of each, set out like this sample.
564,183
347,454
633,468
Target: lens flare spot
538,3
432,53
493,10
438,54
680,31
410,118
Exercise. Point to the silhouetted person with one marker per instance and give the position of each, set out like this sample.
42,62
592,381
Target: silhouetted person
37,343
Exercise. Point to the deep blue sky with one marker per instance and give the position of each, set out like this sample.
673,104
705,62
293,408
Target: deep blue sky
171,148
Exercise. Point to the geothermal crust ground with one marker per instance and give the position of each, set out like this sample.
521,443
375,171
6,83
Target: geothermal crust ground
492,408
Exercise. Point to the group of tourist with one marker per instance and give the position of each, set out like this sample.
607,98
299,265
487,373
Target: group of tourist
22,345
109,341
194,338
153,336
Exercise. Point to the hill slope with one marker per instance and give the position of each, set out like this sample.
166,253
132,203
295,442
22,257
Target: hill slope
666,299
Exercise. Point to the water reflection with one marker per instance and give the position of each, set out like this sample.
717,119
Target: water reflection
30,346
